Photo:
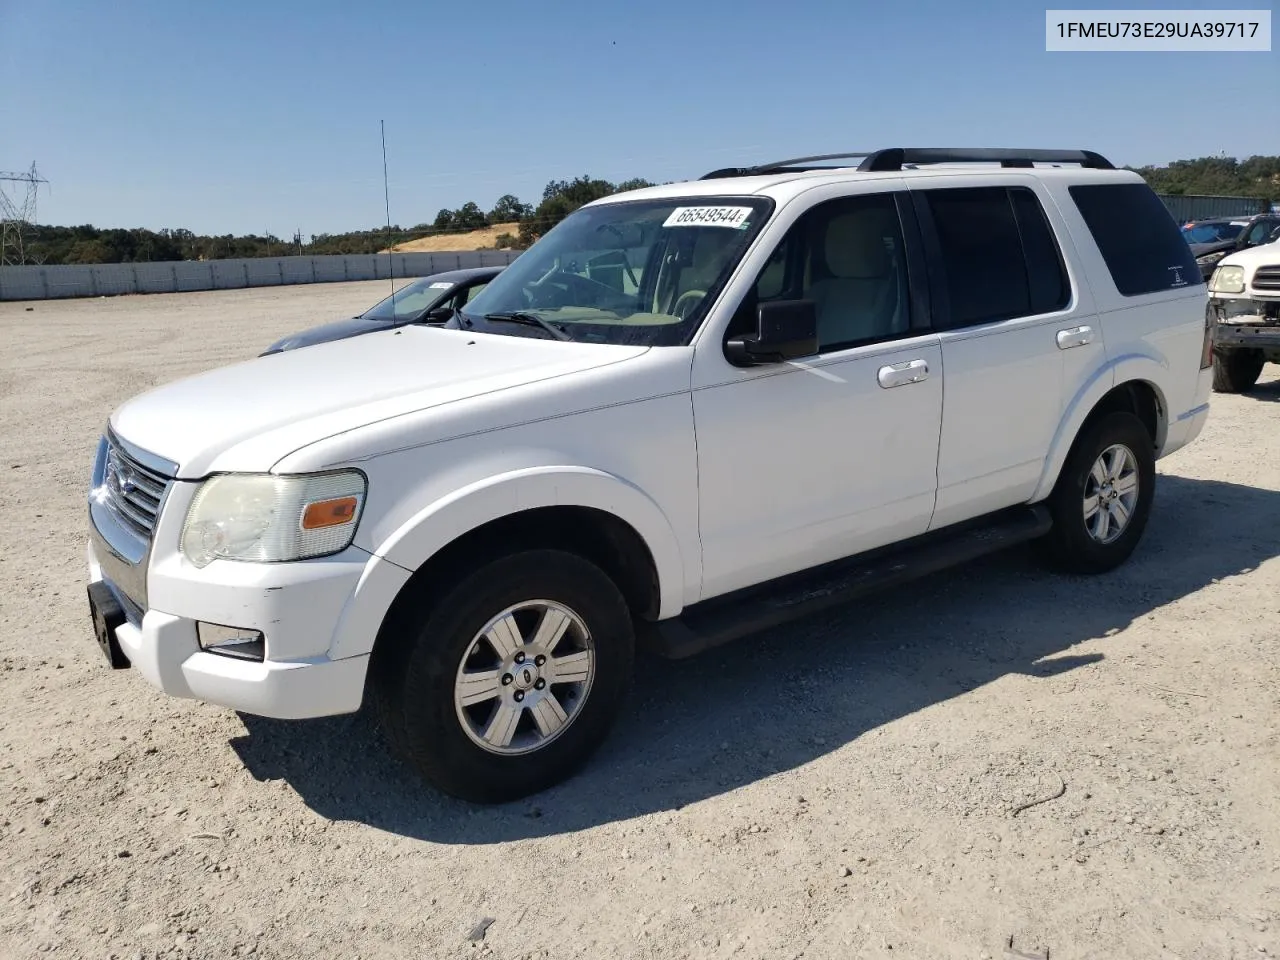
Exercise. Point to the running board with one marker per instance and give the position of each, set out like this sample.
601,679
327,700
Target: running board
722,619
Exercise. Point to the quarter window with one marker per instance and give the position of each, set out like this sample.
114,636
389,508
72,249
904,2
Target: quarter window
1137,237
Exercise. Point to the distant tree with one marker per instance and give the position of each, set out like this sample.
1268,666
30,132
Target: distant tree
506,241
1257,176
509,209
559,199
469,216
635,183
444,220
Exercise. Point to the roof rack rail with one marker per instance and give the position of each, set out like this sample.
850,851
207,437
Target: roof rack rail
898,158
779,166
895,158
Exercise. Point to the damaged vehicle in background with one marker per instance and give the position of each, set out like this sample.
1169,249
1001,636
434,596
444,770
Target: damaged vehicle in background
1244,310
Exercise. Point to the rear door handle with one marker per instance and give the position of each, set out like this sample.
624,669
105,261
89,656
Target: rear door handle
1074,337
900,374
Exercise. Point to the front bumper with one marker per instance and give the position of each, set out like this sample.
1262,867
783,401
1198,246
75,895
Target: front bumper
163,648
1245,322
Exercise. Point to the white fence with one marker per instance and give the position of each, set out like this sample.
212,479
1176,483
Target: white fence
109,279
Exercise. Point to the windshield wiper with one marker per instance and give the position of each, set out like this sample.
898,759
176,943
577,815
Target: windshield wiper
531,320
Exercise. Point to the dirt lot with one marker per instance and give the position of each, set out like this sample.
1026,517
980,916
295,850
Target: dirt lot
844,788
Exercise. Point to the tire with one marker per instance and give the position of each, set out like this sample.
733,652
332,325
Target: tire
436,639
1080,544
1236,371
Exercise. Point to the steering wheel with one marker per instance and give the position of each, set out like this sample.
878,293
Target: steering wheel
584,290
694,297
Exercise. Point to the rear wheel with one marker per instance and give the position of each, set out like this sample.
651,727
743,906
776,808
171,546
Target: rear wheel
1236,371
1103,496
507,683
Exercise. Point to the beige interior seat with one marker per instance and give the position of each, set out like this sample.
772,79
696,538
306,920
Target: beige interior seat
863,298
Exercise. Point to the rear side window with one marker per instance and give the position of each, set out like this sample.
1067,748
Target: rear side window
981,252
1137,237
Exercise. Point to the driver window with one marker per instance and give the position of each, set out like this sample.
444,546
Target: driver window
847,256
1258,234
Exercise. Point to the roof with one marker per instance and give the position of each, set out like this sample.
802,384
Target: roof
786,186
782,180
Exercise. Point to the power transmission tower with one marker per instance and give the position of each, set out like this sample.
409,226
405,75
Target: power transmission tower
17,218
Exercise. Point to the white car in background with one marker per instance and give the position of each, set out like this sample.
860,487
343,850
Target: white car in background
1244,306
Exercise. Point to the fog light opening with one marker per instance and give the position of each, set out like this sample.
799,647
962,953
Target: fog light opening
238,642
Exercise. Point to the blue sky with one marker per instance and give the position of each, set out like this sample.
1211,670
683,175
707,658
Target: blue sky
236,117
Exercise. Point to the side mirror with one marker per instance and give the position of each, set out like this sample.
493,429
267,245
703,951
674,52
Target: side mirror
785,330
439,315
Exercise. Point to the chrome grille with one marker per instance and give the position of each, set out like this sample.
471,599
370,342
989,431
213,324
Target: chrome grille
1267,278
133,491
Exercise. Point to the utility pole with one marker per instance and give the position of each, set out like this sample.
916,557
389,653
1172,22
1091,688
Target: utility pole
16,218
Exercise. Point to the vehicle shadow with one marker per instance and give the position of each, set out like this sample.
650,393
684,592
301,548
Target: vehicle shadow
1266,390
705,726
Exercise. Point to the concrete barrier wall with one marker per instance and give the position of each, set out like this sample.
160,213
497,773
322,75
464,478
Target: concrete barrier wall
110,279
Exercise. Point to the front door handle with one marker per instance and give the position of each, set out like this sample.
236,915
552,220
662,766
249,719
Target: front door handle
1074,337
900,374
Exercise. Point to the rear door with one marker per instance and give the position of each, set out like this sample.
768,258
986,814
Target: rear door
1017,336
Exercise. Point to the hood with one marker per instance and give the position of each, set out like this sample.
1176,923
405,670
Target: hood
1200,249
1253,257
337,330
250,415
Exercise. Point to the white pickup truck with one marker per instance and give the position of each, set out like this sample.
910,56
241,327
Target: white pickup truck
686,413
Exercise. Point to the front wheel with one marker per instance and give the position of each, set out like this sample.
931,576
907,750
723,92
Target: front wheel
507,683
1103,497
1236,371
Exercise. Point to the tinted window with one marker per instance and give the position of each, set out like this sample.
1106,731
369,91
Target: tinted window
847,256
1046,276
981,249
1259,232
1137,237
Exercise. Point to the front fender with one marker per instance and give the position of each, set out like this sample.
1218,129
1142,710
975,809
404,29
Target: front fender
1123,369
462,510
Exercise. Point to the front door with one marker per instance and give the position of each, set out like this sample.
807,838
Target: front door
807,462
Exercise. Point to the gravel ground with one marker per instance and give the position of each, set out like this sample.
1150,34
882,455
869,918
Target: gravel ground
842,788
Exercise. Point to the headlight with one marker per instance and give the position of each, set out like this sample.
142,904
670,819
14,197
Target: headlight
1209,258
269,519
1227,280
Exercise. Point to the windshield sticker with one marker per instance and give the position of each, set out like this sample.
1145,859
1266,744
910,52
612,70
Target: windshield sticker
440,285
732,217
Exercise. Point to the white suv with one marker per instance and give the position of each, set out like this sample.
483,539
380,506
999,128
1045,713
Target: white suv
687,412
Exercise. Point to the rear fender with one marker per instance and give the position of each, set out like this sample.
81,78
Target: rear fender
1123,369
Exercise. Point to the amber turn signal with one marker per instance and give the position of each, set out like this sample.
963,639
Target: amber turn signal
329,513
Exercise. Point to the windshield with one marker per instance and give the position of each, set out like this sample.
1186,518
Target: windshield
410,301
639,272
1212,232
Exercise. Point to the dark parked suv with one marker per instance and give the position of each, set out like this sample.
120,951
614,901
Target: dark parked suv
430,300
1211,240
